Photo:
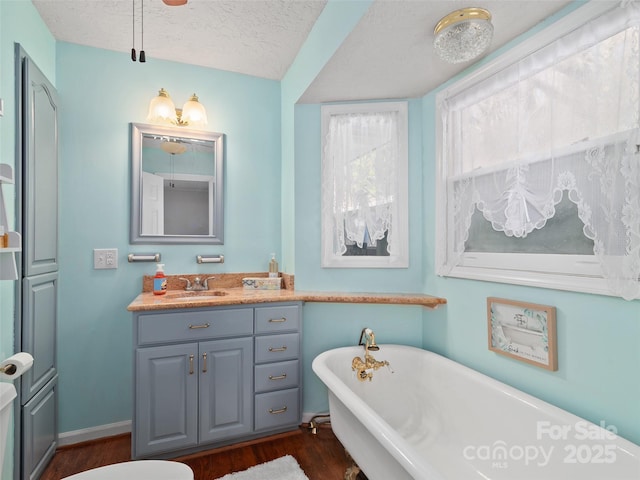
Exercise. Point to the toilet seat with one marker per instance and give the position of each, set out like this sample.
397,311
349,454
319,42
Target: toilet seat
138,470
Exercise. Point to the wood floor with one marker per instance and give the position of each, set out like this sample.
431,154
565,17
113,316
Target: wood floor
321,456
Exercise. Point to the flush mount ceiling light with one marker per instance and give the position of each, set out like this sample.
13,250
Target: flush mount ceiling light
174,3
463,35
163,111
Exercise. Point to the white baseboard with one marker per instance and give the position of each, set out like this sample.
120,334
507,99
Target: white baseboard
101,431
93,433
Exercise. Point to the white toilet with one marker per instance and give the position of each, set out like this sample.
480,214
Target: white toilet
138,470
7,394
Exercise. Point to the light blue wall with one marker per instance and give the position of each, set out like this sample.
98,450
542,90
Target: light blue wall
21,23
100,93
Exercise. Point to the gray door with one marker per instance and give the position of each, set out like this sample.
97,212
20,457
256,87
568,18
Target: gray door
37,217
226,393
166,416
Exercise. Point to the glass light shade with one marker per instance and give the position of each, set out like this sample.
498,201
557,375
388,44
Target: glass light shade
463,35
193,113
161,109
174,148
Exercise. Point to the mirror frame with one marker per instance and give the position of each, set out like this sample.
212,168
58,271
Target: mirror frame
138,130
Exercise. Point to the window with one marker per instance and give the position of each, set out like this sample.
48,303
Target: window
364,185
539,170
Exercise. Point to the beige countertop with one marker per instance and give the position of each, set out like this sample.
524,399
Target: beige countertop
173,299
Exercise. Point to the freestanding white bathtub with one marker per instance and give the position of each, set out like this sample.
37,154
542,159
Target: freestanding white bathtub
432,418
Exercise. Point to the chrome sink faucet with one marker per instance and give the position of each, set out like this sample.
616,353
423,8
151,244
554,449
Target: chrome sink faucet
198,284
365,368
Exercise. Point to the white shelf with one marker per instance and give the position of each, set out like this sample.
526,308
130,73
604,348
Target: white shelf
8,269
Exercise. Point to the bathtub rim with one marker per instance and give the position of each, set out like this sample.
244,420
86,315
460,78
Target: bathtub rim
386,435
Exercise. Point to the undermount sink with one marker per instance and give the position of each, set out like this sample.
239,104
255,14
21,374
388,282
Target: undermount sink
197,295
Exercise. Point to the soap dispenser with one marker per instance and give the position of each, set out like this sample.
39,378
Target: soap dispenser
273,267
159,280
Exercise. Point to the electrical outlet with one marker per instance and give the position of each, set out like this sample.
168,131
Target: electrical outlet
105,258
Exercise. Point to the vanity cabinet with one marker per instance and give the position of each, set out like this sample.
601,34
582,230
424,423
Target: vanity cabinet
206,377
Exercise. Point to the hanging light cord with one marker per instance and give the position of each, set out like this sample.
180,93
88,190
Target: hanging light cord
133,30
143,57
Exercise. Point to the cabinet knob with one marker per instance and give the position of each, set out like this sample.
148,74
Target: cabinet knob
204,362
277,320
278,377
190,364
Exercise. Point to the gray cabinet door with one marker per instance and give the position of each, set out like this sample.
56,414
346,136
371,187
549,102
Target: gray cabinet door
166,411
226,376
39,308
39,424
40,172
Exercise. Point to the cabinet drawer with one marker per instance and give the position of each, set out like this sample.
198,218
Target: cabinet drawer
277,319
274,348
172,327
276,376
277,409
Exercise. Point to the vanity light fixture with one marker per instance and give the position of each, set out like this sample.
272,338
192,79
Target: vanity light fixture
463,34
163,111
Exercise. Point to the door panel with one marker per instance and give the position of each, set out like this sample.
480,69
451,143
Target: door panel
40,430
39,308
40,172
166,399
226,380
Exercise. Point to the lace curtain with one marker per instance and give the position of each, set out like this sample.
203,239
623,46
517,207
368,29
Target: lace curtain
361,155
564,120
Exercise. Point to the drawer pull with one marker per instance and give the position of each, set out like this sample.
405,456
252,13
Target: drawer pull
204,362
204,325
276,412
278,349
190,364
277,320
278,377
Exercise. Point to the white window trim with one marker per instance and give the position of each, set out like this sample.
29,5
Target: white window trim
579,273
401,224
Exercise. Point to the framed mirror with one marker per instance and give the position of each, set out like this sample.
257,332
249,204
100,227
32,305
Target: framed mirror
176,185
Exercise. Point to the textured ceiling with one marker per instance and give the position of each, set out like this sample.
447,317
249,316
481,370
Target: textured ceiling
255,37
389,53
